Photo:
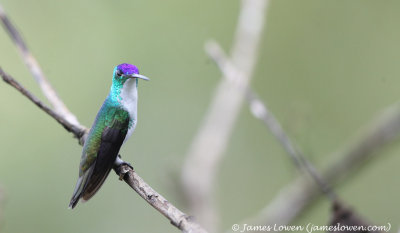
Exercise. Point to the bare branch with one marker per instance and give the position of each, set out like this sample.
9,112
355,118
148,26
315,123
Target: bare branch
36,71
209,144
177,217
260,111
293,199
384,129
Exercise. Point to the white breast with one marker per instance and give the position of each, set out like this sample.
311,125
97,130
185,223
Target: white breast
129,97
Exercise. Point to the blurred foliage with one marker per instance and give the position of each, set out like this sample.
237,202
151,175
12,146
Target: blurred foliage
325,69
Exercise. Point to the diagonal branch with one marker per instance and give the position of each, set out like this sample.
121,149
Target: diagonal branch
36,71
261,112
208,146
177,217
293,199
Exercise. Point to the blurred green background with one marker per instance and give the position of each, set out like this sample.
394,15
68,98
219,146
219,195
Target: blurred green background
325,68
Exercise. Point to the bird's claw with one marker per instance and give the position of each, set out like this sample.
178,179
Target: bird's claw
125,168
122,167
128,165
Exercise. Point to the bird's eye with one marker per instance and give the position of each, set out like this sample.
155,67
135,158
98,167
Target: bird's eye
119,73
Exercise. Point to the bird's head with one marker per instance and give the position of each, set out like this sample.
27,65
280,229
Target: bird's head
123,72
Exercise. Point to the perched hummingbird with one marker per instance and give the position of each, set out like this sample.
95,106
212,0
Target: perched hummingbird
113,125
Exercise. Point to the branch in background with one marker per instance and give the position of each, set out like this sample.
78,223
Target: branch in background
49,92
384,131
293,199
261,112
210,143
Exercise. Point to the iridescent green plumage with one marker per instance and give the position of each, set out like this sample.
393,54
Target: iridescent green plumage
108,116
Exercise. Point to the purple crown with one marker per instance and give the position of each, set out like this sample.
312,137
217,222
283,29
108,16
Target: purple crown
127,69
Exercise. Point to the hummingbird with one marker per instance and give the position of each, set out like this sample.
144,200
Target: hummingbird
114,124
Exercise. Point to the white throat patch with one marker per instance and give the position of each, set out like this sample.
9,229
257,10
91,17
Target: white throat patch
129,98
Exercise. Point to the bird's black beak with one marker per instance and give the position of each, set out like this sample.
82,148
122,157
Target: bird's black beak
137,76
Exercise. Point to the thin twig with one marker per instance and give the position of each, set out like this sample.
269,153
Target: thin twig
260,111
36,71
177,217
209,145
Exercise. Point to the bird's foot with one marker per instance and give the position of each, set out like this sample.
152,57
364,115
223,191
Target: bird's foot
121,167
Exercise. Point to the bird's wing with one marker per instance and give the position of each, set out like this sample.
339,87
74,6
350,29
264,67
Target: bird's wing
111,141
101,161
